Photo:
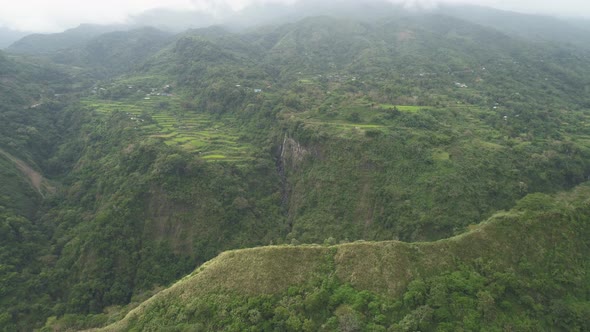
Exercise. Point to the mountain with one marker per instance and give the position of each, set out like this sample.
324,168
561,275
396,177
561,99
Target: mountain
155,154
97,48
532,27
265,14
256,15
41,44
313,63
115,52
528,26
174,21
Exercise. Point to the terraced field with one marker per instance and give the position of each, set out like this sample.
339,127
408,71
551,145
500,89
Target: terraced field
162,117
403,108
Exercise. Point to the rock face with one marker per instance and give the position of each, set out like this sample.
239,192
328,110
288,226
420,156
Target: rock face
292,153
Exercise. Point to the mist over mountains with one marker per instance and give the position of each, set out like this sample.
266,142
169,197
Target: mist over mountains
330,166
171,20
9,36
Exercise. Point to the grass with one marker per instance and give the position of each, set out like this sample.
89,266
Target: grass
353,120
440,155
489,145
162,117
214,156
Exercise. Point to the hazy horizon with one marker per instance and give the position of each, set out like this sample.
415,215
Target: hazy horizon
45,17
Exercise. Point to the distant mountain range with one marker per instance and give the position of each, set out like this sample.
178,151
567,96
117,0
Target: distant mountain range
535,27
542,28
42,44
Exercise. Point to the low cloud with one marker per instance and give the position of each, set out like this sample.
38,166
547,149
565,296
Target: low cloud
57,15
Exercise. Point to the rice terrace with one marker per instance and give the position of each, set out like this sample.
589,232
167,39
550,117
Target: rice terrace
162,117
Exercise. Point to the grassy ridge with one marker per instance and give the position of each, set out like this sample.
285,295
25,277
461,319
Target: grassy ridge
543,236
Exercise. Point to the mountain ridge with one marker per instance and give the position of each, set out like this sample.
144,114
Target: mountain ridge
381,267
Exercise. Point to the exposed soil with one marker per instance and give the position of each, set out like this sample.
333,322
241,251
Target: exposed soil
36,180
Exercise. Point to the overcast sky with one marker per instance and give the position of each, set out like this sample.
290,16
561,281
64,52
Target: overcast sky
57,15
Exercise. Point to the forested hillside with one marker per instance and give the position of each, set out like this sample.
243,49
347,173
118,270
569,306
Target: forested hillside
130,158
33,124
48,43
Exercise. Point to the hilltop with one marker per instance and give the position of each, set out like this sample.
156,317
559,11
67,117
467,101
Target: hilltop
39,43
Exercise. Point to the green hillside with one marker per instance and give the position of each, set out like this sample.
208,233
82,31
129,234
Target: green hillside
139,156
525,269
44,44
32,126
114,52
27,127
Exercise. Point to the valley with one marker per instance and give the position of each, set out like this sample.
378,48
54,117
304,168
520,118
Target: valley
411,171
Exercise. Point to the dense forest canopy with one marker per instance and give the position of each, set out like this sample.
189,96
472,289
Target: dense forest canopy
446,148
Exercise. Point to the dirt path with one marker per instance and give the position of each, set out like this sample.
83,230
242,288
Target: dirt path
35,178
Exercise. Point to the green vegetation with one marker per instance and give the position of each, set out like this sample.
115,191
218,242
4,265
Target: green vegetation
47,43
164,118
142,156
525,269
